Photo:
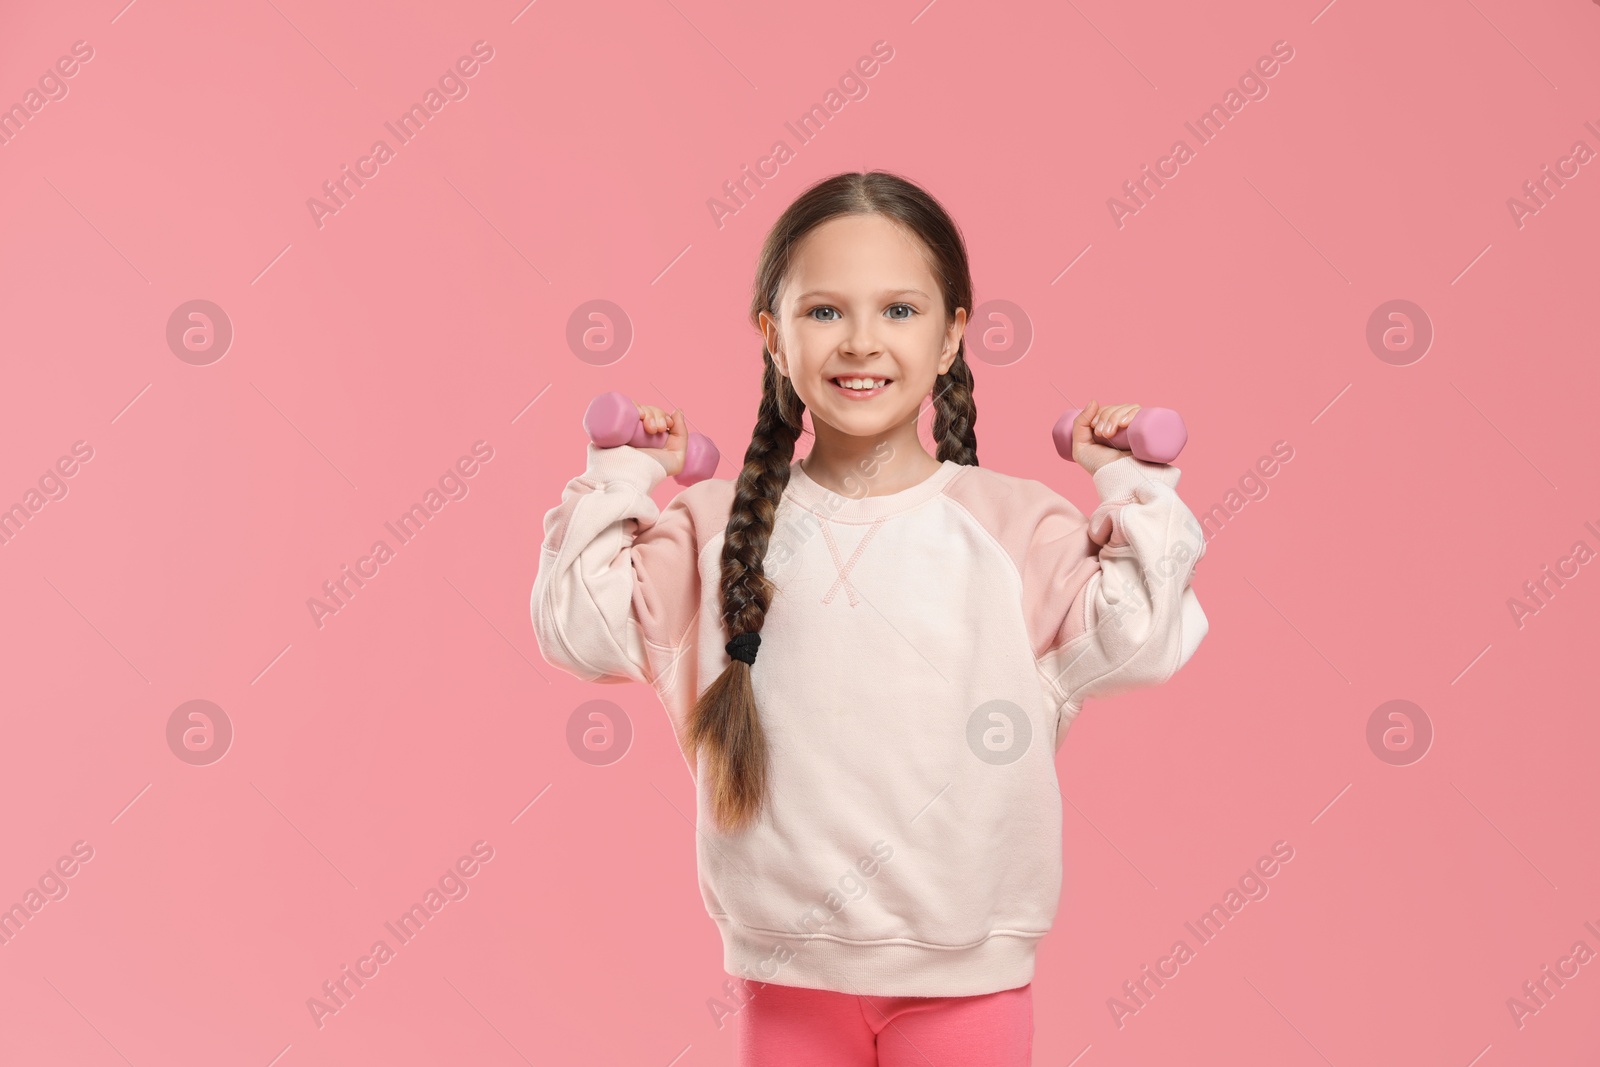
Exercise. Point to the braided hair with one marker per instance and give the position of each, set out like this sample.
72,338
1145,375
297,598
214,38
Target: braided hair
725,722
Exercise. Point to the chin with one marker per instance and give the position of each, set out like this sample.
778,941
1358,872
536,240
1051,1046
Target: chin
856,424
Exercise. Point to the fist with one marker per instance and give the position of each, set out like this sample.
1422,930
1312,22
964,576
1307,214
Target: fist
656,420
1104,422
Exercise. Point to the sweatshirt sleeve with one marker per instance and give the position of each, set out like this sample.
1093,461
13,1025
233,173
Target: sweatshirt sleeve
618,582
1135,620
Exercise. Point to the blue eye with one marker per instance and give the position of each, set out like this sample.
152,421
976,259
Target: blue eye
824,307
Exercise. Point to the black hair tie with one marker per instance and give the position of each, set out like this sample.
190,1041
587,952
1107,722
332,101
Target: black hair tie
744,647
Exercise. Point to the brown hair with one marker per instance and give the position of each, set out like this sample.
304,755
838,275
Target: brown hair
725,722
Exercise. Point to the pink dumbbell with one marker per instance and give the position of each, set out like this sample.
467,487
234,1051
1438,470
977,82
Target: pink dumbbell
1156,435
613,419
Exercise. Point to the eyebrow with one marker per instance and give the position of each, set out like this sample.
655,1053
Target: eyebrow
890,292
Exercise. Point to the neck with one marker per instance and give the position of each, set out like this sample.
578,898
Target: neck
868,466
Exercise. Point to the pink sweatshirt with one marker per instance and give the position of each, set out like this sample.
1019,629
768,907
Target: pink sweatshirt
919,667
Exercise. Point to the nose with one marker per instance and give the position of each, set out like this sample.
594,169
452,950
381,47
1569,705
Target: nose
862,340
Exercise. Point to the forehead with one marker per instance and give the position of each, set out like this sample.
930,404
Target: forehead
862,254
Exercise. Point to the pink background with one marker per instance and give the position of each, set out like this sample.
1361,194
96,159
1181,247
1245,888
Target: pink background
371,352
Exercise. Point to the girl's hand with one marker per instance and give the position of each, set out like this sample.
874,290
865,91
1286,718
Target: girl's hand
655,420
1105,422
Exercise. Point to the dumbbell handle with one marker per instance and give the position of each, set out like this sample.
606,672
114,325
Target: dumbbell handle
1156,435
613,419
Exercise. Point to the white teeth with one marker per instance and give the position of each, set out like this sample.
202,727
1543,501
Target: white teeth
862,383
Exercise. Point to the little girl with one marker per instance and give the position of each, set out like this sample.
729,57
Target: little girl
879,821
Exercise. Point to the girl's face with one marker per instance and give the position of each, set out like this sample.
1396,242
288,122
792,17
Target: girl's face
861,302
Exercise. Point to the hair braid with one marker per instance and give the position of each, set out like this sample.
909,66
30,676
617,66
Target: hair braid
725,725
725,721
955,412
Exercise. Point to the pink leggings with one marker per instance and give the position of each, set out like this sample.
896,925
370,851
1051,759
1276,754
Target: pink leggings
786,1026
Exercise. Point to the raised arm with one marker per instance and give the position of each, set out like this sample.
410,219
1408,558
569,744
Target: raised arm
1135,620
618,582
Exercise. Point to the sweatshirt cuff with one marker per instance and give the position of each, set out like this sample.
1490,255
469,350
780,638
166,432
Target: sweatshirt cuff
625,464
1119,479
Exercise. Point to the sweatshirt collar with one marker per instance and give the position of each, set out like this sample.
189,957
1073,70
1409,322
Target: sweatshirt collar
841,508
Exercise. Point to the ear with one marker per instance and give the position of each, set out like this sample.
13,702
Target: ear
952,339
769,336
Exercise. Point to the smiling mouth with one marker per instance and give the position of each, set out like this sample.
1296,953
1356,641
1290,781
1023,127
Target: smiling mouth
860,387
